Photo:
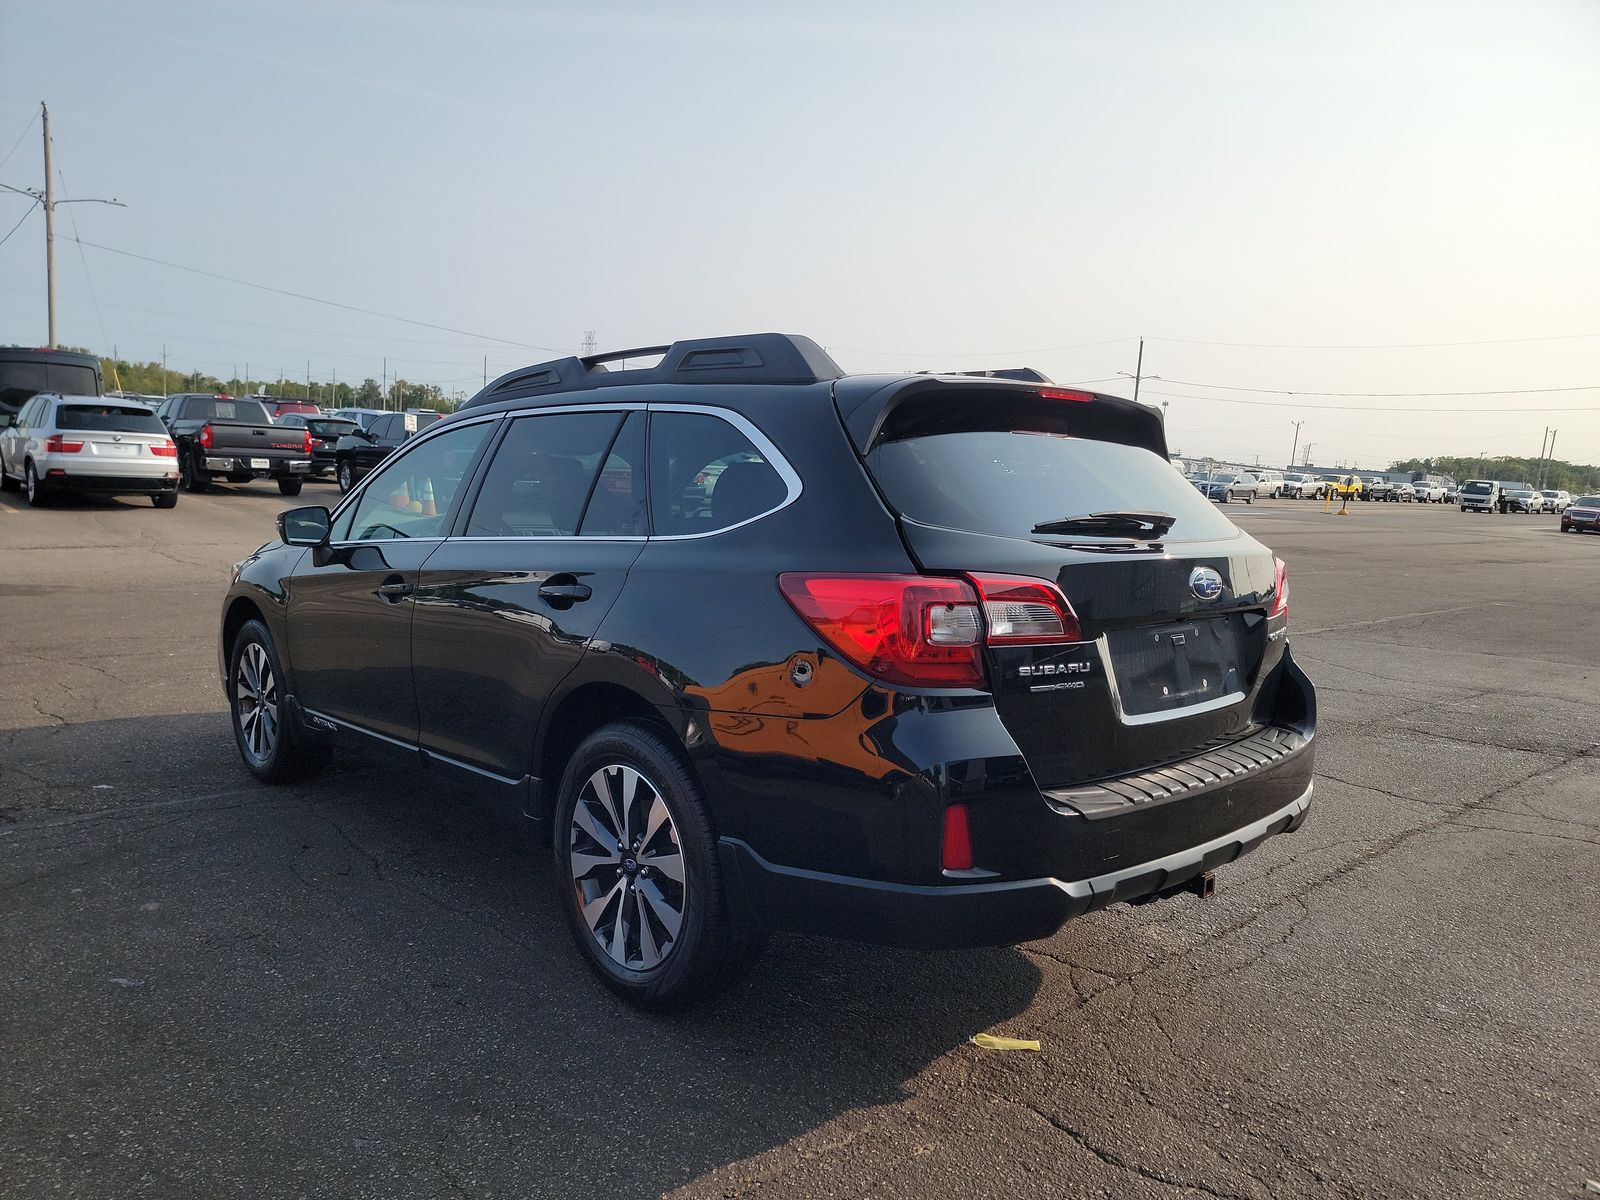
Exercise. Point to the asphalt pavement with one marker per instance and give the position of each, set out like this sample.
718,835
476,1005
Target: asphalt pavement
360,986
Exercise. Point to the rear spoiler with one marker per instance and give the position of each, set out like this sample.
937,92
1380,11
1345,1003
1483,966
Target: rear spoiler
927,404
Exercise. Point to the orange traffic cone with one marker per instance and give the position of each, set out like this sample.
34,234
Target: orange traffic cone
401,496
425,492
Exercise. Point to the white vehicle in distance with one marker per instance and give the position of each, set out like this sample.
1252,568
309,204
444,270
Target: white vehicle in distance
1301,486
1479,495
59,445
1556,501
1430,489
1269,483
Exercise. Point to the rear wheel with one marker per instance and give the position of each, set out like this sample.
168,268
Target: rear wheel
38,491
637,872
256,694
290,487
165,500
191,476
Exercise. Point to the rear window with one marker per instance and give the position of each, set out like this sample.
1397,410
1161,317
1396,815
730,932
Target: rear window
1005,482
249,412
108,418
333,429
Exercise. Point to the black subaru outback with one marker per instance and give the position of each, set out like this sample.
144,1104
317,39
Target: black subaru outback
936,661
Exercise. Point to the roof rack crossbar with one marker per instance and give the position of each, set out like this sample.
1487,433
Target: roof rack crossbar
757,358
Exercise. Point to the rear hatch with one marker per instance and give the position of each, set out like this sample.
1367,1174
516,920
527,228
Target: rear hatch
1173,601
115,437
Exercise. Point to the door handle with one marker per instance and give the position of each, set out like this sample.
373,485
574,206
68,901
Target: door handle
394,590
566,592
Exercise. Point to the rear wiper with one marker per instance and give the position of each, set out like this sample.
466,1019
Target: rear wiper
1143,525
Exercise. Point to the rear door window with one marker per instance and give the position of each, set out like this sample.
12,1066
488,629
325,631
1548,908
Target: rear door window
706,475
108,418
545,472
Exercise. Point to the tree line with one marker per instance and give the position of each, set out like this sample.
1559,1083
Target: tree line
1559,474
151,379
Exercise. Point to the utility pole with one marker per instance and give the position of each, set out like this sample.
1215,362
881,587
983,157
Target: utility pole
383,392
589,344
49,229
485,370
1548,458
1138,370
163,372
308,381
1307,461
1296,446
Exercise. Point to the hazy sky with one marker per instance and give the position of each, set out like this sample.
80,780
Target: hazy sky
917,185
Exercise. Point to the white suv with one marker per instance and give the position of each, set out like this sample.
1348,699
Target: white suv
80,444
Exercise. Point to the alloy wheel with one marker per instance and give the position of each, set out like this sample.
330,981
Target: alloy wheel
627,867
255,690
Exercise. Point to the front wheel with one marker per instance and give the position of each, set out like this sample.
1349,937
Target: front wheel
165,500
637,873
191,476
256,693
290,487
345,476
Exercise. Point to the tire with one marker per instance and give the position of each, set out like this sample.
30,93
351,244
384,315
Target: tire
38,491
269,744
165,500
1249,499
290,487
629,942
192,477
344,475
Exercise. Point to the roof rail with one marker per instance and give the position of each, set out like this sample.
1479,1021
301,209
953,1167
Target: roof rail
1023,374
748,358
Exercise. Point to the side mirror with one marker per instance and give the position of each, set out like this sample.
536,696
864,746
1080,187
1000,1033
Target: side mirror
308,526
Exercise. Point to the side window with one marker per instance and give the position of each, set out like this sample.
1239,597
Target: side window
543,473
705,475
410,496
25,417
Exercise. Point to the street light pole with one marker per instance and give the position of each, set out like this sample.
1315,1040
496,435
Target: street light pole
49,229
1296,446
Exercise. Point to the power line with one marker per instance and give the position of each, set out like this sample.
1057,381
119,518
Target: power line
160,262
20,220
25,133
1562,337
1366,408
978,353
1224,387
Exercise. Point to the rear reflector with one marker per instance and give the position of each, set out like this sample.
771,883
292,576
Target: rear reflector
1065,394
1020,610
1280,589
957,852
917,630
56,444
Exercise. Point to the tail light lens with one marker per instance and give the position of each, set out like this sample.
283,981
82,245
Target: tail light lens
1023,611
917,630
1280,589
957,847
204,437
1054,393
308,441
56,444
164,449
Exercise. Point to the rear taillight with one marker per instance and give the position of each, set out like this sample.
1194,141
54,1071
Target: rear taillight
56,444
1051,393
204,436
917,630
956,854
1280,589
1021,611
308,442
164,449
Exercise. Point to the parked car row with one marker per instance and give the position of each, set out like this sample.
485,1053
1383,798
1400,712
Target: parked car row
1496,495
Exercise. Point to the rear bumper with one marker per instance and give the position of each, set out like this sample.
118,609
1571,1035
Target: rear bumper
276,468
961,916
112,485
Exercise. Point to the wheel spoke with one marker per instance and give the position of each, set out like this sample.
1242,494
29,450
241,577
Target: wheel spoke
583,816
657,817
595,909
584,863
649,952
618,949
601,783
247,670
669,864
670,916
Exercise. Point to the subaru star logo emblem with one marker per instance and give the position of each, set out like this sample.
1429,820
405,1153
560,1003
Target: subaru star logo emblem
1205,583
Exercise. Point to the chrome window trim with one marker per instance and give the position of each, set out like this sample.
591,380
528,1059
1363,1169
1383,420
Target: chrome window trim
791,477
1103,647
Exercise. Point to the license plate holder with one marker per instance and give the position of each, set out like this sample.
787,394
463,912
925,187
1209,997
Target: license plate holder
1165,667
260,464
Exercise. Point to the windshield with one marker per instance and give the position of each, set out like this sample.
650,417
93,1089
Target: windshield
249,412
1006,482
1587,502
108,418
1479,489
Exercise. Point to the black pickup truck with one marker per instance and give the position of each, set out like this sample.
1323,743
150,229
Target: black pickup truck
234,439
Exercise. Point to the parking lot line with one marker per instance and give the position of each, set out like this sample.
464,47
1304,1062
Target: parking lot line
1432,612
